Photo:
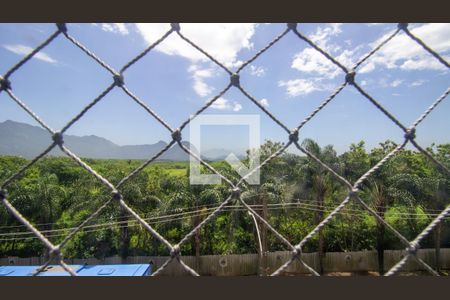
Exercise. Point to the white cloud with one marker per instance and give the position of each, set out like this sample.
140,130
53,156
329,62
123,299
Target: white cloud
113,27
404,53
349,58
418,82
264,102
222,41
299,87
366,68
199,75
323,34
25,50
237,106
201,88
310,60
257,71
422,63
224,104
234,64
220,103
396,82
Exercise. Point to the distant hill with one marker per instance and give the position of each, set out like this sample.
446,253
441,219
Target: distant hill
221,154
28,141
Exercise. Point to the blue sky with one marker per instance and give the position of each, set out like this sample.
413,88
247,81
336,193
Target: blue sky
175,80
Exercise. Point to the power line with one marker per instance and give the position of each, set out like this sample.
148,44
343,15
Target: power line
208,209
252,196
304,205
112,218
187,215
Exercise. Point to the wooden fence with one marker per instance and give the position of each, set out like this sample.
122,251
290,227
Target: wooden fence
247,264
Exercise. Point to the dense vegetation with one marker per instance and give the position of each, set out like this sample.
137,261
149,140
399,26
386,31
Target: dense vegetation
56,194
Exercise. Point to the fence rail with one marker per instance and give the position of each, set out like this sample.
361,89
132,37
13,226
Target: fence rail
292,136
247,264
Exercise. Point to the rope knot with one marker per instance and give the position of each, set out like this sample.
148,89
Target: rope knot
402,26
55,252
292,26
4,84
234,79
236,193
293,136
353,192
350,77
118,80
410,134
62,27
176,135
175,251
175,26
412,250
58,138
116,195
297,252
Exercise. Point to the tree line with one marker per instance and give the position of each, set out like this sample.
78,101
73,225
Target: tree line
295,194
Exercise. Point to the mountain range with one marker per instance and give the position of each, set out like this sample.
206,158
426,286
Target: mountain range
28,141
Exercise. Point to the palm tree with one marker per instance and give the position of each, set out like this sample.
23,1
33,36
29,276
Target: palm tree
441,192
380,202
318,181
39,200
398,182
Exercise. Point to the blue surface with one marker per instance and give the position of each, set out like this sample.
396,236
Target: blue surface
81,270
114,270
16,270
60,272
29,270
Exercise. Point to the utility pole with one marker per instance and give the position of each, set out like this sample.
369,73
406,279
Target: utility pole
258,235
263,230
319,218
197,243
196,221
437,246
124,235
